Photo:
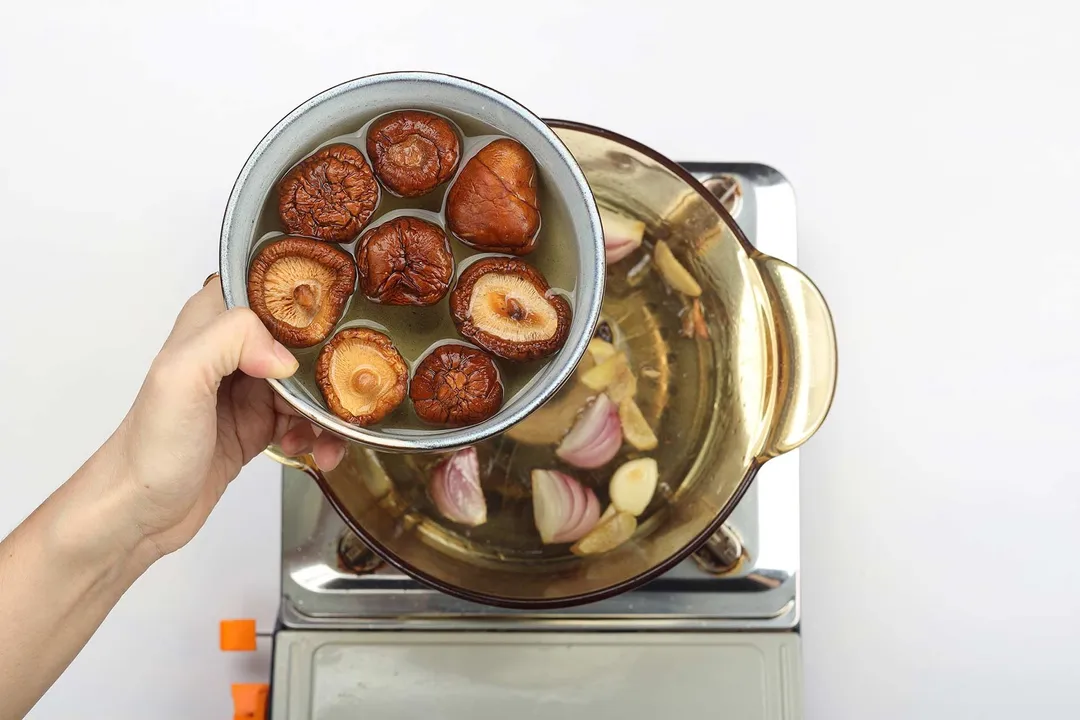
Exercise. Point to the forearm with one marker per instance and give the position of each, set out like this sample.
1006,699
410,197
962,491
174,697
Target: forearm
61,572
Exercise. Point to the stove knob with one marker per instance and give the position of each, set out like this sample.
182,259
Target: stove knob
238,635
249,701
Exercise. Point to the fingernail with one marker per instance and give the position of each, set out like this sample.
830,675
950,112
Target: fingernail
288,362
339,455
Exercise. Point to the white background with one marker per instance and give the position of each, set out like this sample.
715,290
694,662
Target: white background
935,153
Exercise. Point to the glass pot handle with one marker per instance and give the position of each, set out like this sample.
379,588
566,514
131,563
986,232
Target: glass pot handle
804,355
305,463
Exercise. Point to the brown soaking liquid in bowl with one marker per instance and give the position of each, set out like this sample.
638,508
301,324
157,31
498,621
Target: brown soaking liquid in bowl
676,384
416,330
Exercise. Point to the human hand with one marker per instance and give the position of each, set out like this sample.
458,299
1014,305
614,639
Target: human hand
203,412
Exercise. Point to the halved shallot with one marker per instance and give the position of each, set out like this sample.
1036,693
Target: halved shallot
455,488
563,508
596,436
622,235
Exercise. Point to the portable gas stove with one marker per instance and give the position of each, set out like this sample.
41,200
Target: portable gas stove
356,638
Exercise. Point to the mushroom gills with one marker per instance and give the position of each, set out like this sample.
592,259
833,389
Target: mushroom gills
300,288
293,289
510,307
360,376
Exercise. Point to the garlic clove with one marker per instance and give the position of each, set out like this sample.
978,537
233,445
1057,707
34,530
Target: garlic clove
599,377
624,385
607,535
636,430
633,484
600,350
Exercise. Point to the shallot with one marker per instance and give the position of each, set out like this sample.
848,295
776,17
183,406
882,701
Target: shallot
455,488
563,508
622,235
596,436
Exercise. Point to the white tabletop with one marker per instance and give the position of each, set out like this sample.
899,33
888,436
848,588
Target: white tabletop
935,153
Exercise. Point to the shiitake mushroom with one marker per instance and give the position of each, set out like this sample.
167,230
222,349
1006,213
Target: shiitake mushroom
361,375
329,195
413,151
299,288
492,205
405,261
505,306
456,385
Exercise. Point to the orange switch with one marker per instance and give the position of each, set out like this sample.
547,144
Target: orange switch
238,635
249,701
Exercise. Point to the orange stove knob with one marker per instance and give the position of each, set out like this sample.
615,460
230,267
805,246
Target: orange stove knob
249,701
238,635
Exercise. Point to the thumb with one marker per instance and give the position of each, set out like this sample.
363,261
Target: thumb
237,340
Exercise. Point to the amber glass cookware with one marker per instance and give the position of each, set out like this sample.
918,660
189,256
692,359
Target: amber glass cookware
757,386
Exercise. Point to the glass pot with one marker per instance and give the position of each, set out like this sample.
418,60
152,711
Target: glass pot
751,377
